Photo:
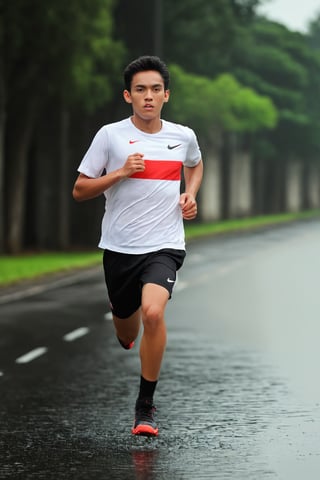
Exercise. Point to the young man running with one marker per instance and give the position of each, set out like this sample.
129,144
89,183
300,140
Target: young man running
136,163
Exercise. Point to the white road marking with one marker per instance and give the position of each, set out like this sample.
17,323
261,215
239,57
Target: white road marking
108,316
79,332
229,268
28,357
220,271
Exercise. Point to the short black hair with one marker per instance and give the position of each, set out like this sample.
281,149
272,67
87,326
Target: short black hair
143,64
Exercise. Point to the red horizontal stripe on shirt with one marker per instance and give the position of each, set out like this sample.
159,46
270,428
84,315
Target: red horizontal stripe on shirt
160,170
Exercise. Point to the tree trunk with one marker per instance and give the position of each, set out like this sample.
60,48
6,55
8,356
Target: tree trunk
18,159
64,196
2,136
277,191
313,185
259,186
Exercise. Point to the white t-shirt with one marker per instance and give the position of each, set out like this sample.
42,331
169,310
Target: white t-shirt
142,212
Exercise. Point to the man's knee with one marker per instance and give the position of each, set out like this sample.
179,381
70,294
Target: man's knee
152,316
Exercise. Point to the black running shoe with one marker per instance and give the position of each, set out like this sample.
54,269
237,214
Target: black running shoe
144,422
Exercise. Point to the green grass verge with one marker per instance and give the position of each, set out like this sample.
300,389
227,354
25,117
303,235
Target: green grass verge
26,267
235,225
14,269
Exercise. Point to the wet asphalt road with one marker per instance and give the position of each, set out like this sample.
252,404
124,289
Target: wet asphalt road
239,393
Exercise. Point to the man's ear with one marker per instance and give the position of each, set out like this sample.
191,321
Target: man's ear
166,96
127,96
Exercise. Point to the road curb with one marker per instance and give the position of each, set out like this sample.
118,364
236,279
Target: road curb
49,282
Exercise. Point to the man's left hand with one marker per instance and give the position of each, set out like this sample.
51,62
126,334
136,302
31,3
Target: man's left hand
188,206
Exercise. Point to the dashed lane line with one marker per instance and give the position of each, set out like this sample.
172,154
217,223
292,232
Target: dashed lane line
37,352
79,332
32,355
228,268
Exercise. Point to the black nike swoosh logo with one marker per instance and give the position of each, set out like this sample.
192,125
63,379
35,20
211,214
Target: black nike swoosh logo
171,147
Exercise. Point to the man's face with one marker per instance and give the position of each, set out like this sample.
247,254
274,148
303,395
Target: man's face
147,94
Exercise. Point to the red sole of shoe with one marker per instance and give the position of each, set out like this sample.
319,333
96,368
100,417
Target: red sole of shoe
145,430
127,346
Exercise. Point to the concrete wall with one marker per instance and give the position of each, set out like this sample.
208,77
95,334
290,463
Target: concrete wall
313,190
241,195
293,186
211,189
240,184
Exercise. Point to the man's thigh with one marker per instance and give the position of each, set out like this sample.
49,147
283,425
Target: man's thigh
154,296
161,268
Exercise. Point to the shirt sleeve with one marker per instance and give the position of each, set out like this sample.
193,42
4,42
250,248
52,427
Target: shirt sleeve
193,155
96,158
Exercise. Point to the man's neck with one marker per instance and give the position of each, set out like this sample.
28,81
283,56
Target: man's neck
147,126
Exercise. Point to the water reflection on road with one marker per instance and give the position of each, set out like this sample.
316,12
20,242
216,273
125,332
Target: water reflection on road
219,410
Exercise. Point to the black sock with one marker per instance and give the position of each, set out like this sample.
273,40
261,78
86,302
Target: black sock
147,388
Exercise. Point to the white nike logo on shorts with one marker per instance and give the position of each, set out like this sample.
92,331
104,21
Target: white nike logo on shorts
170,281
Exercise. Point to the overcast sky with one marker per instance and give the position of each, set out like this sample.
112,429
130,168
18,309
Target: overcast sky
295,14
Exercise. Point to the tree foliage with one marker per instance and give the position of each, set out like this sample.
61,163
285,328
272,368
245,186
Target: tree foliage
221,103
72,52
312,133
278,63
200,34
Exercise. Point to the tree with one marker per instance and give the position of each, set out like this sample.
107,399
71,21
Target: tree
313,88
200,34
278,63
2,134
71,59
221,103
195,34
314,32
219,109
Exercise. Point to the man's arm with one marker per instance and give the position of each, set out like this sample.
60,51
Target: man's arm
86,188
193,178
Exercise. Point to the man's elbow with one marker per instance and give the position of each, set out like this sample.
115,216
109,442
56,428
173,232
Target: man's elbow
76,193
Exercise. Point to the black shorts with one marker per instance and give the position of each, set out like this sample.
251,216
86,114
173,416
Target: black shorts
125,275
